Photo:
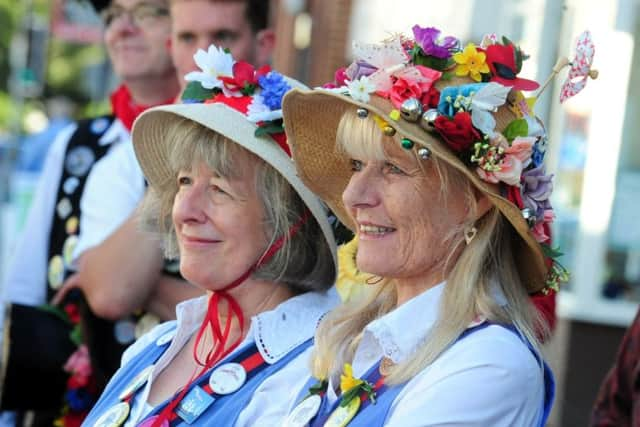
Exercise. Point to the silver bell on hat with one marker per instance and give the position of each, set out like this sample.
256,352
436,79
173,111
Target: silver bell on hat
428,119
529,216
411,109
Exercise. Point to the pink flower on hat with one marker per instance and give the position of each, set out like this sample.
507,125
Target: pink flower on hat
541,229
516,158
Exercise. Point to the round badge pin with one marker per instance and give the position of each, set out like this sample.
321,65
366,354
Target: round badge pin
124,331
99,125
64,208
227,378
70,184
71,226
55,272
343,414
137,383
67,249
79,161
304,412
149,422
114,417
145,324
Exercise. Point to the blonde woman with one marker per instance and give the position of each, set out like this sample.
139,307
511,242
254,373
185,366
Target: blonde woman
441,177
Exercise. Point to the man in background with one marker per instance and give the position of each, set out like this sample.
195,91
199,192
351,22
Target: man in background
135,36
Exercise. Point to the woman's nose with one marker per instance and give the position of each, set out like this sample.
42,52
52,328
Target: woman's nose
361,191
189,205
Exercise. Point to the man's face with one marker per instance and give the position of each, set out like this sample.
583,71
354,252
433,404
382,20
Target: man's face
196,24
136,36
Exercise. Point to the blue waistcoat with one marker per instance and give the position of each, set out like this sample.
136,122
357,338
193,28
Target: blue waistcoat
375,415
223,412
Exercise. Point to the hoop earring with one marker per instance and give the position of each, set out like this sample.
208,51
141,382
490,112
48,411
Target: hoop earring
470,233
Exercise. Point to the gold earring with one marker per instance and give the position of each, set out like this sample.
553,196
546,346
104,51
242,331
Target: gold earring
469,234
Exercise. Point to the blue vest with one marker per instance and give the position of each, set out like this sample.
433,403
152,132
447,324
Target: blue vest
374,415
223,412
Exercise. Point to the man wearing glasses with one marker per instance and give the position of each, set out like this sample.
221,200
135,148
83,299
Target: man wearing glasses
121,268
38,344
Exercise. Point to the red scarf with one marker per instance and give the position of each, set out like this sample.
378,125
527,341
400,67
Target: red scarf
126,109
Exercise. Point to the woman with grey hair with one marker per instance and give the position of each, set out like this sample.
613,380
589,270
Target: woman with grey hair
225,196
433,156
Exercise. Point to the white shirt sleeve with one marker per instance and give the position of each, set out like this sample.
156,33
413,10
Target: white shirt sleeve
25,281
114,188
486,379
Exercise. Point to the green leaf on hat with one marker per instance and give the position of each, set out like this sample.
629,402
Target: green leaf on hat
269,128
195,92
516,128
76,335
550,252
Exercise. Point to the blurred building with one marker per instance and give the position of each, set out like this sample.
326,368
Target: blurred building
594,146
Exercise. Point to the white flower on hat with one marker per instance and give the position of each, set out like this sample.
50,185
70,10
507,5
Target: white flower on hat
258,111
214,63
359,90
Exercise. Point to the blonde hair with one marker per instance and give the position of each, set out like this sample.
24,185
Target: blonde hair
303,263
476,273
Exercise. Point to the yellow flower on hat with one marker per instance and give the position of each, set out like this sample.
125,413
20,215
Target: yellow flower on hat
347,381
471,62
352,283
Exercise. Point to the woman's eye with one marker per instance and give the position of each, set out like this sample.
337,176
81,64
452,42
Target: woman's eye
183,180
217,189
391,168
356,165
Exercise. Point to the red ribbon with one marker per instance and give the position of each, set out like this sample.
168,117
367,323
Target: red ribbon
212,320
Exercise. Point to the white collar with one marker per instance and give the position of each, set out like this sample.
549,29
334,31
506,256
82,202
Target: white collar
399,332
115,133
275,332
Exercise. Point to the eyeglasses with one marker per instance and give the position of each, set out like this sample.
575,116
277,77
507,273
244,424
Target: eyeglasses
141,13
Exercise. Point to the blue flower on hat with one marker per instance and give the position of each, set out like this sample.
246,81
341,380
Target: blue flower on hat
79,399
455,98
274,86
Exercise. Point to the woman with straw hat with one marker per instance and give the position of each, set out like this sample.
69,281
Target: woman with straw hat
225,196
432,155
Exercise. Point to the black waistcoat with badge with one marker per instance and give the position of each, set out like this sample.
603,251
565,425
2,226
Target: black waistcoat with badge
40,341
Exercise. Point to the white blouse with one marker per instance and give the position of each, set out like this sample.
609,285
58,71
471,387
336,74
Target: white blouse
488,378
275,332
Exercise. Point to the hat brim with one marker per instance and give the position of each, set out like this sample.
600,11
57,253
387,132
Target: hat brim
311,119
152,149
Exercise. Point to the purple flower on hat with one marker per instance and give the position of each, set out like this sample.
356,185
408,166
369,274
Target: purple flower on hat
274,86
359,69
536,190
429,40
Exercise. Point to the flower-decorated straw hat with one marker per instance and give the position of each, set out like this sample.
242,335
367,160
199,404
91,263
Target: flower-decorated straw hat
238,102
464,105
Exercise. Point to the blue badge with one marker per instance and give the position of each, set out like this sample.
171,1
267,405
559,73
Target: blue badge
99,125
79,160
194,404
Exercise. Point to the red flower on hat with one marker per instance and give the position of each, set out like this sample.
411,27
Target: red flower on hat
431,98
245,78
502,63
458,132
240,104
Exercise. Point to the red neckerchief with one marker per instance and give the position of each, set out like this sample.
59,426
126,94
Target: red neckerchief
126,109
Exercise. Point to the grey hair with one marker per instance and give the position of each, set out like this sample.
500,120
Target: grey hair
303,263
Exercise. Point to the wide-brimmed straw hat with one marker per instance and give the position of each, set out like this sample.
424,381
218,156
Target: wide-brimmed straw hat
240,103
436,99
